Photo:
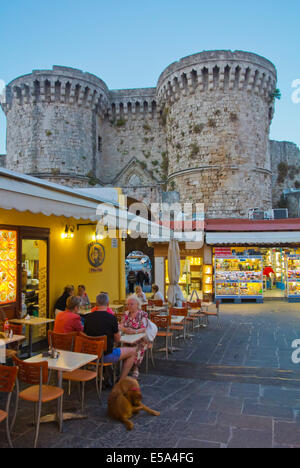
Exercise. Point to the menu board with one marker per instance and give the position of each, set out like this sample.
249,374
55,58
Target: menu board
8,267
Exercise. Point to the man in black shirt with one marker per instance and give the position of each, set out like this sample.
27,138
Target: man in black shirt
99,323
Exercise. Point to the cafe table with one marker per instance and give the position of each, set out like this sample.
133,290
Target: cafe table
116,306
131,339
32,322
7,341
85,311
67,361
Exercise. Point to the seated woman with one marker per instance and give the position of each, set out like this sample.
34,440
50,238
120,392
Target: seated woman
62,301
140,293
132,323
83,296
157,296
69,320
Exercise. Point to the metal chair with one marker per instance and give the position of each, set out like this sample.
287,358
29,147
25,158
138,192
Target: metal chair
163,323
8,377
104,339
36,375
87,346
214,314
182,312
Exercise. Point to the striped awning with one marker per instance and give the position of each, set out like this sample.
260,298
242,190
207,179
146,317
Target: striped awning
253,238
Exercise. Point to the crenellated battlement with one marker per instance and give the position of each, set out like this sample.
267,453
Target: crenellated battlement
217,70
133,103
61,85
201,131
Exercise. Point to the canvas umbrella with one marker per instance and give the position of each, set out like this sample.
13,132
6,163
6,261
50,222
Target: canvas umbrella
174,292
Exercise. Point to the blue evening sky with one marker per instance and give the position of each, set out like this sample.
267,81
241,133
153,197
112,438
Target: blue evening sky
129,43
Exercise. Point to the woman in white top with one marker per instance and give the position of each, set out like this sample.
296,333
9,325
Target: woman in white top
157,296
140,293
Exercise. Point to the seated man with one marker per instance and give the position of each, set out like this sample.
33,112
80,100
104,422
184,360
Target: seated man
69,320
101,323
99,306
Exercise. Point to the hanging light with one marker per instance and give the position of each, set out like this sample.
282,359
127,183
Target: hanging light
68,232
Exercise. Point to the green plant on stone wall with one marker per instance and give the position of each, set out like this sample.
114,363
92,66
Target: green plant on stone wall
211,123
233,117
283,169
143,165
120,123
194,149
198,128
146,127
282,203
275,94
48,133
154,163
164,115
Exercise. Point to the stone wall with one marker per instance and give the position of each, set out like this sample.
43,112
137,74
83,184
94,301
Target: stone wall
2,160
285,165
203,131
217,110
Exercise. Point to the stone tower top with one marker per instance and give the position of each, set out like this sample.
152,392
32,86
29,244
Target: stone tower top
63,85
218,69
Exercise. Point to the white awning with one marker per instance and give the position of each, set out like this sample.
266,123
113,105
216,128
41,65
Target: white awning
253,238
25,193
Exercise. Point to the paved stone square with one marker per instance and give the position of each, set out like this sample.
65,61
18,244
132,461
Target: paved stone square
230,386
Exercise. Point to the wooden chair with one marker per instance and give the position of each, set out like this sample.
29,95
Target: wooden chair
96,347
62,341
8,377
36,375
156,302
214,314
182,312
199,315
104,339
163,323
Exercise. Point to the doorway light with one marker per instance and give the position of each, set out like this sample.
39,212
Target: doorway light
68,232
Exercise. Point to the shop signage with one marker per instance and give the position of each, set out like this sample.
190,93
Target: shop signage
96,255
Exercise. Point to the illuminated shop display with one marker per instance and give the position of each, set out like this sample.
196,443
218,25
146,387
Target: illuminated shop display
191,275
238,277
293,276
8,267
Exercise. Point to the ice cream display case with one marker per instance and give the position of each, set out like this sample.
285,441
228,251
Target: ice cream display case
8,267
239,278
293,277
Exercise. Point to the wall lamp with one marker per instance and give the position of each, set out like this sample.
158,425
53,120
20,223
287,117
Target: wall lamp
68,232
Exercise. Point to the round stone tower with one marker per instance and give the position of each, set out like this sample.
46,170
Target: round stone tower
217,107
53,120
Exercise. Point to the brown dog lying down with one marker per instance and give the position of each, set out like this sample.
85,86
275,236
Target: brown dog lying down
125,400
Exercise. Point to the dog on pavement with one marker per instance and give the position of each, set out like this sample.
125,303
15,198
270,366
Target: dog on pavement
125,400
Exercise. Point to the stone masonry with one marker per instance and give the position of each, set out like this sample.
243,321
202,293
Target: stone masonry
203,131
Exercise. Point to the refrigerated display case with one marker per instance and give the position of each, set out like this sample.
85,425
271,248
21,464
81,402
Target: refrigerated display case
239,278
293,277
8,267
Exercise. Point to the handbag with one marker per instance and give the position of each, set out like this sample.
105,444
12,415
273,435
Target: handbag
150,330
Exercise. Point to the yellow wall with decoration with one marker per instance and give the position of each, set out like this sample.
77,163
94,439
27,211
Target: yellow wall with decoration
68,257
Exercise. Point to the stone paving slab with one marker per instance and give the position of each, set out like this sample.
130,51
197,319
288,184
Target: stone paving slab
234,386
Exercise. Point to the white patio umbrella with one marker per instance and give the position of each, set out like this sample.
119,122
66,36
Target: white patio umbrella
174,292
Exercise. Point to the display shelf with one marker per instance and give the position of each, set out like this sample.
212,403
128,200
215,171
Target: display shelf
239,278
293,277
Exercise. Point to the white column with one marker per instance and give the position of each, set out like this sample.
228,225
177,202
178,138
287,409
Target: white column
159,269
